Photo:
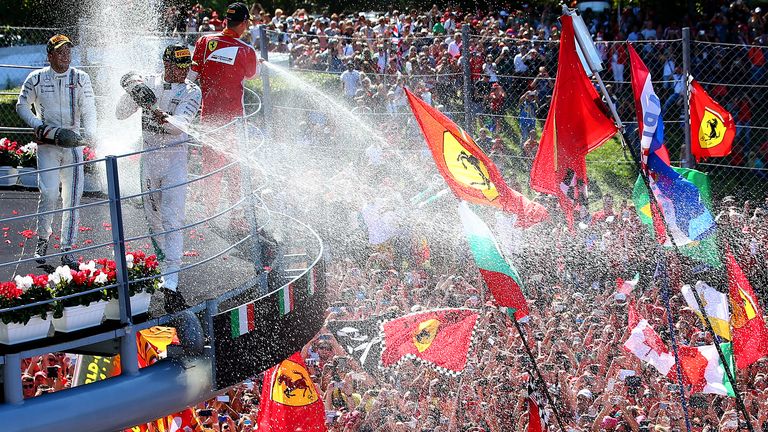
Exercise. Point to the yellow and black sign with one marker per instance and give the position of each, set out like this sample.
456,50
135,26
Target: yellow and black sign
212,44
292,385
425,334
466,168
712,129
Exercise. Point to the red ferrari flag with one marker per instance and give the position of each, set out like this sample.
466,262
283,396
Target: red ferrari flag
439,338
470,174
712,127
290,401
576,124
749,336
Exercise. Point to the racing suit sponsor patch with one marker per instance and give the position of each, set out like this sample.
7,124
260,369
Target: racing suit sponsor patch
224,55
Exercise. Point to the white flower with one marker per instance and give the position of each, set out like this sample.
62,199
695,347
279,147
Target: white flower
129,260
91,266
31,147
101,278
3,141
63,273
23,282
55,278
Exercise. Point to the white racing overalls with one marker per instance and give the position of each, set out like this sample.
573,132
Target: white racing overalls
165,166
62,100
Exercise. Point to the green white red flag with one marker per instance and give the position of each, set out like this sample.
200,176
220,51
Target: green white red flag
703,369
502,279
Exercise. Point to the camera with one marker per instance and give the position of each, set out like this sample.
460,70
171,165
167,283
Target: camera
53,372
204,413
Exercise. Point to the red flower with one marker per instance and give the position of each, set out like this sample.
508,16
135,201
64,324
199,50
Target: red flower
9,290
151,262
138,256
39,280
79,277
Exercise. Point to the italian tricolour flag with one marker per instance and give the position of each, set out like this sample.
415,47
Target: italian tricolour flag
285,299
704,370
502,279
242,320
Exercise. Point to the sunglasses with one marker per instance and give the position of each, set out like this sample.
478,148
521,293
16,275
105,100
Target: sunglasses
323,348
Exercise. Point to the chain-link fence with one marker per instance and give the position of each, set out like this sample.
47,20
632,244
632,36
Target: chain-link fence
508,121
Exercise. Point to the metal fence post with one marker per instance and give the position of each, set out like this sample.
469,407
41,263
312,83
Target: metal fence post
12,379
128,354
266,93
250,208
209,350
469,114
685,154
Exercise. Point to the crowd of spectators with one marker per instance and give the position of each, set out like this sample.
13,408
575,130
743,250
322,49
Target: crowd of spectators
576,328
388,255
513,61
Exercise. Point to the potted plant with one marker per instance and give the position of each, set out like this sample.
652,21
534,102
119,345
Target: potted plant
9,160
27,164
82,311
22,325
92,181
144,277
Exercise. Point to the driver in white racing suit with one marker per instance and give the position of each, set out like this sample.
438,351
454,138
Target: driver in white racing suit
168,106
63,100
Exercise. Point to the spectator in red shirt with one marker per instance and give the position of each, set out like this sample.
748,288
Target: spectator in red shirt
216,22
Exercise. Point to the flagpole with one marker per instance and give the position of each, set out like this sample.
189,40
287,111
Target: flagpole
653,201
538,373
671,324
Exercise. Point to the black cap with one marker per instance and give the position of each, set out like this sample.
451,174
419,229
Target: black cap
57,42
178,54
237,12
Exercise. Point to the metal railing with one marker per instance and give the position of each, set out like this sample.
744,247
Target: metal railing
128,353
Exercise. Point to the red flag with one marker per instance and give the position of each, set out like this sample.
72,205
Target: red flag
712,127
440,338
537,416
289,399
750,338
576,125
183,421
470,174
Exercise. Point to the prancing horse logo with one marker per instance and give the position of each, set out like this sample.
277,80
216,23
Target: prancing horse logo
465,158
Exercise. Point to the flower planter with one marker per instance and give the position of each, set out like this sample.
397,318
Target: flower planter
8,171
14,333
26,179
80,317
139,305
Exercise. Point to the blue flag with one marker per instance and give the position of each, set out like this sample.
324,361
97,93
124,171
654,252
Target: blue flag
685,213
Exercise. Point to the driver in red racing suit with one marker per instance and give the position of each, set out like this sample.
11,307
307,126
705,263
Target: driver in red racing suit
222,62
